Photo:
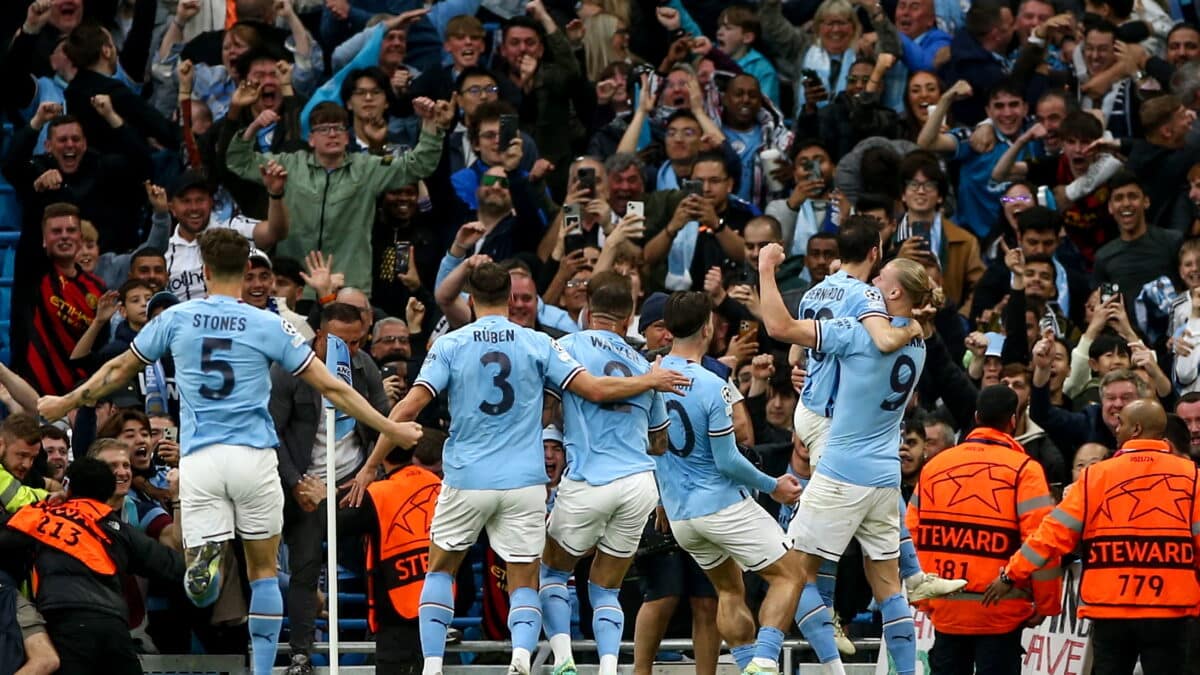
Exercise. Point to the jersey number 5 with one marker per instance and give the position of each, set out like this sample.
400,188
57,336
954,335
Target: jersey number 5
214,366
901,385
500,380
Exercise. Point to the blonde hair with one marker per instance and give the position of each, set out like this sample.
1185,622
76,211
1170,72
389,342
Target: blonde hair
88,232
832,8
104,444
597,43
917,285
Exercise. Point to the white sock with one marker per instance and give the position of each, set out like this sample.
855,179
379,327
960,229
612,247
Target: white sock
520,659
765,662
608,664
834,668
433,666
561,645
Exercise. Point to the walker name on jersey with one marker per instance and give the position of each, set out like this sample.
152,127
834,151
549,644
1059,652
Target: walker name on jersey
615,347
223,323
494,335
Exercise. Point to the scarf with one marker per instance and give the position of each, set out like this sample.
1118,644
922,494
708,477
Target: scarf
683,247
1117,99
819,60
807,224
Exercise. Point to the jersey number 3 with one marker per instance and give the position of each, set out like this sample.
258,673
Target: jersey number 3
500,380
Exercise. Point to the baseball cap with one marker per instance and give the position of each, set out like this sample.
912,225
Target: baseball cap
654,308
995,344
187,180
161,300
259,258
551,433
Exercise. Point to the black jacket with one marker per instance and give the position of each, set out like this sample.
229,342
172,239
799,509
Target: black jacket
1069,430
296,408
136,111
66,583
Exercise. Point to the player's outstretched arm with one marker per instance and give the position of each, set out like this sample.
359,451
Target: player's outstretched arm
889,338
404,413
776,318
348,400
602,389
111,377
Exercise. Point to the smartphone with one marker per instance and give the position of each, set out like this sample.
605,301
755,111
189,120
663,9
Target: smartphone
1048,324
171,434
508,129
749,275
586,178
748,330
810,76
692,187
635,209
387,371
814,170
403,256
920,229
573,239
1108,291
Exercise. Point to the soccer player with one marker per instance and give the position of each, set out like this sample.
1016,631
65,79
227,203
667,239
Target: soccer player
855,489
495,476
609,489
704,481
229,479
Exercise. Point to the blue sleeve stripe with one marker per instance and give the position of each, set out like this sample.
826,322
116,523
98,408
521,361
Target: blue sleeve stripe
570,377
662,426
428,387
817,340
870,313
721,432
311,355
552,393
133,348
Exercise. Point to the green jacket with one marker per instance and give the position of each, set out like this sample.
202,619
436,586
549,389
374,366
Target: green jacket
13,495
334,211
787,275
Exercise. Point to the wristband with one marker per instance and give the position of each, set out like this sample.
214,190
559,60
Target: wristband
1035,40
277,196
325,300
175,20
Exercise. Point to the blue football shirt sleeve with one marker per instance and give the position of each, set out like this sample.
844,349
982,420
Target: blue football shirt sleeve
561,367
287,346
435,371
866,302
658,412
841,337
726,456
154,339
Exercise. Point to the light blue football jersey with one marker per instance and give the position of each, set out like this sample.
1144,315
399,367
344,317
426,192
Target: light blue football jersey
494,372
223,349
702,471
864,434
839,295
607,441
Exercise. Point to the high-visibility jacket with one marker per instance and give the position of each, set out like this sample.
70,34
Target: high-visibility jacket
1138,517
71,527
972,507
398,556
13,495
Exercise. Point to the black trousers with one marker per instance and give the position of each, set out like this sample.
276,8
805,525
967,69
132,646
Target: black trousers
398,649
92,642
979,654
1117,644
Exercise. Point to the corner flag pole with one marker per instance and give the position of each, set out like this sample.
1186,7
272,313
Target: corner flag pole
337,359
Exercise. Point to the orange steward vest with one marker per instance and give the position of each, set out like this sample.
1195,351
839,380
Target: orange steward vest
404,504
972,507
73,528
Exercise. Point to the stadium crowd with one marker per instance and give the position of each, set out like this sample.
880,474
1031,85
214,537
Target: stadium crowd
373,163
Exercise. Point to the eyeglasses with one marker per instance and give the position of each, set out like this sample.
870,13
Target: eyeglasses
577,283
686,133
489,135
388,339
368,93
1016,199
921,185
329,129
490,180
479,90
